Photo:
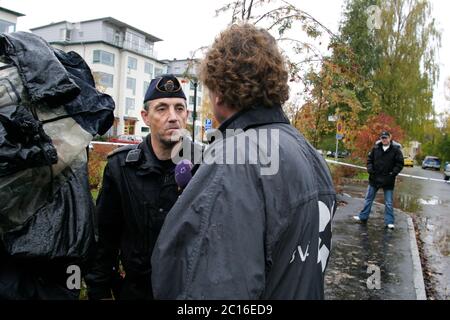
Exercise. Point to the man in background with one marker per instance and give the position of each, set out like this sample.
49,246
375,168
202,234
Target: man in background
384,163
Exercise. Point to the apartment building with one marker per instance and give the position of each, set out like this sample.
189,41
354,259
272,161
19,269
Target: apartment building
8,20
122,60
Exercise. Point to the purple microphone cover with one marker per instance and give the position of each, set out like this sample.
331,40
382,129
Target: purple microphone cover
183,173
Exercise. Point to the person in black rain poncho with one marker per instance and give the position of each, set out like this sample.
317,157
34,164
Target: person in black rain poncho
49,112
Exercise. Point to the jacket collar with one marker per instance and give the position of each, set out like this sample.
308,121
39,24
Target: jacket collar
380,145
149,163
254,117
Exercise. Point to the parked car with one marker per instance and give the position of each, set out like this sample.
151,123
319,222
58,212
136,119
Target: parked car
432,163
341,154
408,162
127,139
447,172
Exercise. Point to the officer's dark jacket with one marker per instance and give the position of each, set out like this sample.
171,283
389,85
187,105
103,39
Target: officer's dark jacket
384,166
137,193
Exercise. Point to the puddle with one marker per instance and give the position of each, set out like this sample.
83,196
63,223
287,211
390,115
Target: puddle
434,201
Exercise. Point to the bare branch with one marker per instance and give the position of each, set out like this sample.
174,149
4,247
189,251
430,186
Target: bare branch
308,45
250,10
265,15
235,9
310,17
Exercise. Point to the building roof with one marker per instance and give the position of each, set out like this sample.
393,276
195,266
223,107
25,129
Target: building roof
74,43
106,19
17,14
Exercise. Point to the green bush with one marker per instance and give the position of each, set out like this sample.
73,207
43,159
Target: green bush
96,167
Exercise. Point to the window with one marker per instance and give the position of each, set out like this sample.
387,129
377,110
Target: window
129,127
104,57
65,34
112,35
131,84
199,87
145,129
138,43
199,103
7,27
146,85
104,79
132,63
116,38
149,69
158,72
191,100
192,85
129,105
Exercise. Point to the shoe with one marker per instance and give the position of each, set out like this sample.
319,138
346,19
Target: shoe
357,218
391,226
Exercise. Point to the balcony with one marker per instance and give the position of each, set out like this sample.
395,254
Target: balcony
146,50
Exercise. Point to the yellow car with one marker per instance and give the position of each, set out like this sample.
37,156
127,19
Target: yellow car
408,162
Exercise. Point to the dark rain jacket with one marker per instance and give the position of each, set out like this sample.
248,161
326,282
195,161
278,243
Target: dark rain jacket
236,233
138,191
46,216
384,166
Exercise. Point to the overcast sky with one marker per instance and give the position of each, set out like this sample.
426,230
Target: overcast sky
185,25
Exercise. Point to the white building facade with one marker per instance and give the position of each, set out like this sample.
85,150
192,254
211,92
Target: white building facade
8,20
122,60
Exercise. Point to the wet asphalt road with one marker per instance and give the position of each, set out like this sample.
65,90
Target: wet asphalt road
356,247
429,203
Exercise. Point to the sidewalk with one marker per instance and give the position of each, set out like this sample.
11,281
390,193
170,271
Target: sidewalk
356,246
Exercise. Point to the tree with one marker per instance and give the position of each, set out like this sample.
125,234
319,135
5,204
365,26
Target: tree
407,69
366,137
329,86
331,92
362,42
289,25
397,58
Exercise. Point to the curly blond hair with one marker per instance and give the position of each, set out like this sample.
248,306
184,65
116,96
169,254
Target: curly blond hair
246,68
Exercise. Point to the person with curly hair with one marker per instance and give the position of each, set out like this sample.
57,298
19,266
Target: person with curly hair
247,228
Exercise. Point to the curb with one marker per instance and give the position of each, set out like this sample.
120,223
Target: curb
419,283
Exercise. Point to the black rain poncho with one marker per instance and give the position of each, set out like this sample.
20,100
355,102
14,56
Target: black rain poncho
49,113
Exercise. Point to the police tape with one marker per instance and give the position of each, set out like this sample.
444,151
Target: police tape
110,143
401,174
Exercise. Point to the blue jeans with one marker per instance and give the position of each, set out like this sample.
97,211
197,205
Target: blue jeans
388,203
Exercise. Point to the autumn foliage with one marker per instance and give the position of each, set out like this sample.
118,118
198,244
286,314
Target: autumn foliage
366,137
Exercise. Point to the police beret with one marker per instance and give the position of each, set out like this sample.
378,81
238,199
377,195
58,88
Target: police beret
165,86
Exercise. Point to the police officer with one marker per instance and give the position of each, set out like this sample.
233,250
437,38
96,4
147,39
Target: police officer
138,191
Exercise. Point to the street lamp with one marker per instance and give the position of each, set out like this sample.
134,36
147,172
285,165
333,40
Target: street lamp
194,113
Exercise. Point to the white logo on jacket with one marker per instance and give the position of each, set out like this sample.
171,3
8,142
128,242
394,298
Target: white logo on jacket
324,240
